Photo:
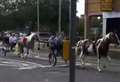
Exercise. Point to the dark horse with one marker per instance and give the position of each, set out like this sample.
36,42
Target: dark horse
99,47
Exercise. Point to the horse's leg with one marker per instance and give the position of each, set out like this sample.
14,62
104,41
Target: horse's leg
3,51
109,58
22,51
43,45
82,58
25,52
106,60
31,52
98,61
98,65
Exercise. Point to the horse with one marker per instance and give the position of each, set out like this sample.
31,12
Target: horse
99,47
83,48
26,45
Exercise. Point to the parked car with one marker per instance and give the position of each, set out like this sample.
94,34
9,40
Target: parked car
44,36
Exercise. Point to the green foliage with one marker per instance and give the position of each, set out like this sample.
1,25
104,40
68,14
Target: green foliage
19,13
80,26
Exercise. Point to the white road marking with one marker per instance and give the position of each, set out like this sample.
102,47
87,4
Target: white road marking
91,61
5,62
43,58
24,65
23,68
21,65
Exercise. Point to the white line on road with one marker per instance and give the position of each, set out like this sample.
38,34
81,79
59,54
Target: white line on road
21,65
24,65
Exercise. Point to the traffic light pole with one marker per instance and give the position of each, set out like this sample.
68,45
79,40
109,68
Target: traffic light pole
59,16
72,21
38,27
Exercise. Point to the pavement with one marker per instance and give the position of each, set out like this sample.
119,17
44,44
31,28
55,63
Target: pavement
44,51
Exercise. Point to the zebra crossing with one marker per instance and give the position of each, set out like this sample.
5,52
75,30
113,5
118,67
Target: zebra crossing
20,65
114,65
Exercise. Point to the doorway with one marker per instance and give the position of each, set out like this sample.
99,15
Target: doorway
113,25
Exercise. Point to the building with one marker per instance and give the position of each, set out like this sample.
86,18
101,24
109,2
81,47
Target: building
106,12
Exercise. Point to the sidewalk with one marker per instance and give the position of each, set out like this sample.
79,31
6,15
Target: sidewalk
114,52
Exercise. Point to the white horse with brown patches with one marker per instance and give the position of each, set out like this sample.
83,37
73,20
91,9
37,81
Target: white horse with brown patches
100,48
26,45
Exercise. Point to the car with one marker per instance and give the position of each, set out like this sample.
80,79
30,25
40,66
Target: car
44,36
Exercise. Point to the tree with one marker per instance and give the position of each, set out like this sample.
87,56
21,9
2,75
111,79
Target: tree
18,13
80,25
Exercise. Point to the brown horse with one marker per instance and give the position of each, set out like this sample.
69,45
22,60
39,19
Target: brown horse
102,46
99,47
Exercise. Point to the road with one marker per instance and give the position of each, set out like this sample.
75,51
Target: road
37,69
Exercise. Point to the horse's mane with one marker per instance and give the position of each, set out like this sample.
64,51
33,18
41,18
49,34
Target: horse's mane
103,38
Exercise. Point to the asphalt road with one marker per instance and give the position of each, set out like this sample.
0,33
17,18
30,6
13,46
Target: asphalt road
37,69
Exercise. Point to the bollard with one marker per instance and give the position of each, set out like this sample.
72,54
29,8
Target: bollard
66,46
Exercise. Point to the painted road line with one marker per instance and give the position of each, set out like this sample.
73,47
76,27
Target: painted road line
21,65
90,60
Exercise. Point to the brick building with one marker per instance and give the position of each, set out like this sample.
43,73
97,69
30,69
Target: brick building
106,12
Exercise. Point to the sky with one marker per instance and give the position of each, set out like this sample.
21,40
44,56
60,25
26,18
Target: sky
80,7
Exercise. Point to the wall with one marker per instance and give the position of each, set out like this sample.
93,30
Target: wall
116,5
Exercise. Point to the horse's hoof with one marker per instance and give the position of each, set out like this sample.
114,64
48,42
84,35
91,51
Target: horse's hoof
38,48
4,54
19,56
83,67
99,70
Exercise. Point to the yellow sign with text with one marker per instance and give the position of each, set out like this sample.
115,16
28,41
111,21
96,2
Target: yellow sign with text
106,5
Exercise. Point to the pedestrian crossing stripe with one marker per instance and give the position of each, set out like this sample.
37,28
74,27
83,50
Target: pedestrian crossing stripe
24,65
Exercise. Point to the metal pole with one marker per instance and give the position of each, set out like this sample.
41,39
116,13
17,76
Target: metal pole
72,21
38,16
85,29
38,25
59,17
85,19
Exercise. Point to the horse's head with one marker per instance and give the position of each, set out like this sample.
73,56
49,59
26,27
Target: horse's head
78,47
36,37
78,44
32,37
114,38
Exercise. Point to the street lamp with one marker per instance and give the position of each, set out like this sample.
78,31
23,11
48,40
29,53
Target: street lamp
98,17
